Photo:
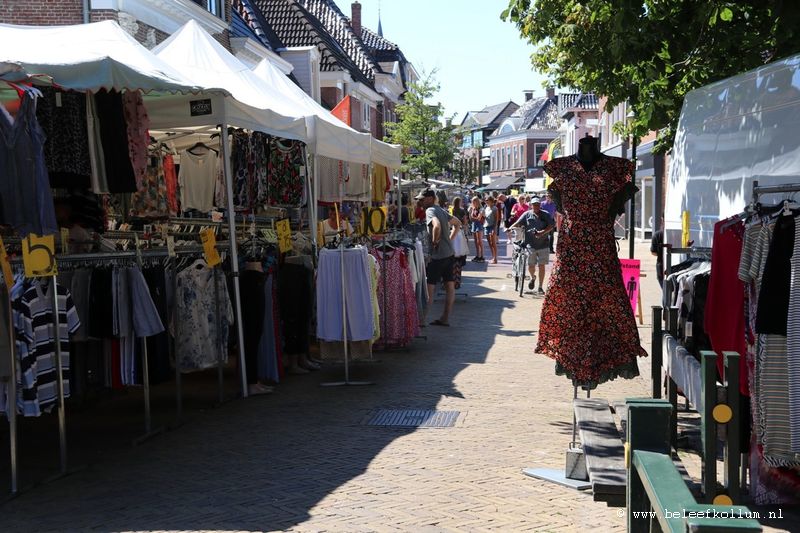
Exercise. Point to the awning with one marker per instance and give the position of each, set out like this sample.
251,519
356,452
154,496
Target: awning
86,57
502,183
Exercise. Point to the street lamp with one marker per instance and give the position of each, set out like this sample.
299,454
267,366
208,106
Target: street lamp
632,220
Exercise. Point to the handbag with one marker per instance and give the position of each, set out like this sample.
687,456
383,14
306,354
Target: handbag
460,246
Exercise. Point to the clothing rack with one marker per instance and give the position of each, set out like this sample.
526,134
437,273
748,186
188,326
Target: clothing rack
670,250
90,259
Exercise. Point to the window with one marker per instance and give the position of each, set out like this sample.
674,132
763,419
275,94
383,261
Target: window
494,159
538,151
522,161
365,116
516,156
215,7
508,157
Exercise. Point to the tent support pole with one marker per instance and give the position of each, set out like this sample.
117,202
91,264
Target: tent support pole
313,193
237,296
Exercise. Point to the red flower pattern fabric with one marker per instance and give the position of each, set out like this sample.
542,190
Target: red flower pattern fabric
587,324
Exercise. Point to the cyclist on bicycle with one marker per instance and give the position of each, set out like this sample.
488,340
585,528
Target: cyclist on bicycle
537,224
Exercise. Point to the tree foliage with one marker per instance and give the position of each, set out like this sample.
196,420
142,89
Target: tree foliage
428,145
652,52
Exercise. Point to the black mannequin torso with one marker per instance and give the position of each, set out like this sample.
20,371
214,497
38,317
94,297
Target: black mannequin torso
588,152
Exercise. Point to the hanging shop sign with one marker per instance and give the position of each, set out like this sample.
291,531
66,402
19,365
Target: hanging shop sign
631,273
199,108
373,220
209,240
7,274
284,232
39,256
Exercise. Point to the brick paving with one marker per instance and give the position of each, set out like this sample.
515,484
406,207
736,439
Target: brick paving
302,460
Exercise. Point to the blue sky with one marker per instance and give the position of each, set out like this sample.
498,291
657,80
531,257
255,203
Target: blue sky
480,59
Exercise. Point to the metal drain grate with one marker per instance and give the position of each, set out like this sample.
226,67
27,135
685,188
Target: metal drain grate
414,418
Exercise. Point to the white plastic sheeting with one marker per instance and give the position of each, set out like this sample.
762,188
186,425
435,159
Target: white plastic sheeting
731,133
330,137
86,57
254,105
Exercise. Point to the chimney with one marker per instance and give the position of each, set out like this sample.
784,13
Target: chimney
355,17
551,92
528,95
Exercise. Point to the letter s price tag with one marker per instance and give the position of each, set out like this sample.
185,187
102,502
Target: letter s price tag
39,256
209,240
284,231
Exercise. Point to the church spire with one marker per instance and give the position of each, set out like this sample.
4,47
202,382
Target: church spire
380,28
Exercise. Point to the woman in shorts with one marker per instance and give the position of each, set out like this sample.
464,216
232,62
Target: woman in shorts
475,213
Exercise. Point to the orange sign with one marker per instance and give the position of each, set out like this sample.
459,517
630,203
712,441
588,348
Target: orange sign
342,110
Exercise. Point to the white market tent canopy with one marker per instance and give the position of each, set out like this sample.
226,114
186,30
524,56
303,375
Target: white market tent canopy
200,58
86,57
330,136
731,133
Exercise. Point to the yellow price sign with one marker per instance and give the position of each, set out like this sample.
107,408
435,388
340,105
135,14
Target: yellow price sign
209,240
514,192
39,256
685,228
284,232
7,274
375,220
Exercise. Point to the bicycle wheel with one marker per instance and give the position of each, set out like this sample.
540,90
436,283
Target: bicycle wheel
521,275
515,270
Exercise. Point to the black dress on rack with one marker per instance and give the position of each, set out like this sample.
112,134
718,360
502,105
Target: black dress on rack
252,294
295,300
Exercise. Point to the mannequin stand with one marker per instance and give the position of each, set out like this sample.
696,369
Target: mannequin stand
559,477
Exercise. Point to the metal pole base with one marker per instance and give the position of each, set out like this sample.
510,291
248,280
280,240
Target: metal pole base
556,476
346,383
148,436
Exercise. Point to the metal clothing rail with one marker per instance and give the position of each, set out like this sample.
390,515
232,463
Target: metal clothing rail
90,258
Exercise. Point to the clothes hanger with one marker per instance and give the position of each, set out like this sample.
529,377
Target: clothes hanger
200,144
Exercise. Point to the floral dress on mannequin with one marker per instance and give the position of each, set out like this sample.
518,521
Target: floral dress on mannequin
587,323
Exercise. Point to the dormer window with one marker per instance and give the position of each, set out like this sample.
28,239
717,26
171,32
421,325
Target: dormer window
215,7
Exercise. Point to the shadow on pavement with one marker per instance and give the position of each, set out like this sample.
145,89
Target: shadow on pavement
259,464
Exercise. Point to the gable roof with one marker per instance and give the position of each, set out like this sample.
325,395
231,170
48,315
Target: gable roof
247,21
490,116
538,114
338,25
295,25
568,101
383,50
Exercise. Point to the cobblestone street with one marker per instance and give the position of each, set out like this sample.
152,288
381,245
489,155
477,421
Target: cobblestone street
303,460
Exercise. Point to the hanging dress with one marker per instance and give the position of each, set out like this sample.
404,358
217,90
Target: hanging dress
587,323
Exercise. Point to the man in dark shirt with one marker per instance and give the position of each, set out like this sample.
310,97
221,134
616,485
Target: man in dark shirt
538,225
655,248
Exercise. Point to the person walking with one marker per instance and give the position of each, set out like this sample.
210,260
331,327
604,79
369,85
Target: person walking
459,212
475,213
491,224
550,206
442,256
538,224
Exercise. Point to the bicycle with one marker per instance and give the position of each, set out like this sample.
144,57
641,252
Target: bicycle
519,262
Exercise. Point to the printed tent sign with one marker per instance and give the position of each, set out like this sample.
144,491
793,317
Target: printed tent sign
631,269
